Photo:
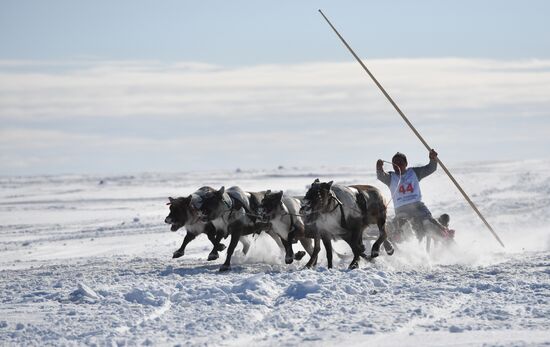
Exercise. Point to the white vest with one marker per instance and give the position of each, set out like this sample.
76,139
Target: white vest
405,190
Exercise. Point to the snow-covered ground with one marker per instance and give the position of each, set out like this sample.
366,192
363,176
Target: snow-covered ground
87,260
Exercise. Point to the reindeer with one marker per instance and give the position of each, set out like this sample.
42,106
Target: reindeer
401,228
335,211
281,213
184,213
234,213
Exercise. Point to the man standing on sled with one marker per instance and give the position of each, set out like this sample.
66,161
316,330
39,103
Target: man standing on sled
407,197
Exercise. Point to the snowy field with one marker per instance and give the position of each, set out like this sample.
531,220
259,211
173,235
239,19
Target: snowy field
86,260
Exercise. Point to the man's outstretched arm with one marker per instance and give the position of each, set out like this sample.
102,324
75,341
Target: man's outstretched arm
429,169
382,175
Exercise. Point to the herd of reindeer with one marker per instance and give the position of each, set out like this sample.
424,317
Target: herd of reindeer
327,212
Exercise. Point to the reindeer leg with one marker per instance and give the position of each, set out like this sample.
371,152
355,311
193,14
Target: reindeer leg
235,231
356,244
298,233
375,251
289,253
316,248
214,253
213,237
388,246
181,251
308,246
299,255
432,227
278,240
327,242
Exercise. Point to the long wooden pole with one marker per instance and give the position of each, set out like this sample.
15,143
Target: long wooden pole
414,130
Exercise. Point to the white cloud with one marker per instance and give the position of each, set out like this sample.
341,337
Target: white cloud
307,113
420,86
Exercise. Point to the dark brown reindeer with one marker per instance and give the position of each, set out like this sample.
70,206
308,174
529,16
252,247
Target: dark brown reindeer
334,211
234,213
183,213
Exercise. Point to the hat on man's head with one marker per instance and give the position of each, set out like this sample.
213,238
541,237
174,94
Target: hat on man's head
401,156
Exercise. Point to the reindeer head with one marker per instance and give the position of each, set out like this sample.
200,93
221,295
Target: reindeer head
271,205
213,204
316,200
179,212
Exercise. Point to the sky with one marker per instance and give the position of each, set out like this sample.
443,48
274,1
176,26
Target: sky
108,87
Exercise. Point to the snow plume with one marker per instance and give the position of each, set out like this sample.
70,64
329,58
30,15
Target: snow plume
513,197
263,249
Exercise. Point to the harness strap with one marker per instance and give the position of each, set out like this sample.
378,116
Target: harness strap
343,217
291,229
230,206
291,223
341,206
362,203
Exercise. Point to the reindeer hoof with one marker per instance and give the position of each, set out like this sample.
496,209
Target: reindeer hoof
389,248
289,260
299,255
353,265
220,247
177,254
224,268
213,256
374,254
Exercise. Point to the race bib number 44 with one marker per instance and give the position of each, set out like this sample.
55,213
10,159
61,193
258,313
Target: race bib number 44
405,190
408,189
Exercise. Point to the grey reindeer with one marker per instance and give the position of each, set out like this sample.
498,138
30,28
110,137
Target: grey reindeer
333,211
